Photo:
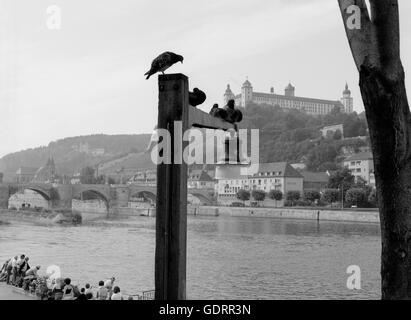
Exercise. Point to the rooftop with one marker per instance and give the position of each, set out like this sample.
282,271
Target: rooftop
360,156
309,176
294,98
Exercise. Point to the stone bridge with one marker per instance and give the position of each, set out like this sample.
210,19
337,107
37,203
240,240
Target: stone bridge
61,195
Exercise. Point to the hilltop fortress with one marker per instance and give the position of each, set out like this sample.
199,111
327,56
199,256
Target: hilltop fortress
289,100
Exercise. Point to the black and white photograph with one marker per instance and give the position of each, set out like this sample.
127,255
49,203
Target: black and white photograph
196,156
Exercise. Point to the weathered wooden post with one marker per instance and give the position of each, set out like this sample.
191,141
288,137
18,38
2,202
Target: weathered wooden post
171,217
175,115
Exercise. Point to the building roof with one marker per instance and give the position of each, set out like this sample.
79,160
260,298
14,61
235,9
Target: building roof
282,169
333,126
360,156
26,170
321,177
294,98
289,87
247,83
200,175
346,91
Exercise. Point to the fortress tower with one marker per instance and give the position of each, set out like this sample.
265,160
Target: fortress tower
246,93
347,101
289,91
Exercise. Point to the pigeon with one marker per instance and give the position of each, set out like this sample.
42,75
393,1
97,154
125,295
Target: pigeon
196,97
233,115
163,62
218,112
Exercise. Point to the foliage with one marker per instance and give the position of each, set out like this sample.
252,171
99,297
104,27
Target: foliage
294,136
341,179
293,196
258,195
356,197
331,195
275,195
312,195
243,195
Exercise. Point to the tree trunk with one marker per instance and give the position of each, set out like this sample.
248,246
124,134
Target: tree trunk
388,117
375,46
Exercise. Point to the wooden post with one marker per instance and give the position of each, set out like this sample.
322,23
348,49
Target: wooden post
171,217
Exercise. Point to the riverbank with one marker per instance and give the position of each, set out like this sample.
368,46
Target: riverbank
8,292
288,213
49,217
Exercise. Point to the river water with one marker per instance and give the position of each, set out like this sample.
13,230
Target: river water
227,257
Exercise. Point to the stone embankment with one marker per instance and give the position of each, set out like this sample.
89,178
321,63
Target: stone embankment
320,214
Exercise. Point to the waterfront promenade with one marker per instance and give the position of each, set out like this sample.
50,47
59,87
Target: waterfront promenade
8,293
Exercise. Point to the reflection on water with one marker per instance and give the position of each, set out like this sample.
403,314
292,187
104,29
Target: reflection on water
228,258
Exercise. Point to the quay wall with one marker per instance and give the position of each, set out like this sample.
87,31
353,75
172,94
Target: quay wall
288,213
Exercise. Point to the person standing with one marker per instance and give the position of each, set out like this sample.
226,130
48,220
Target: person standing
10,269
14,270
68,290
116,294
102,292
24,267
109,286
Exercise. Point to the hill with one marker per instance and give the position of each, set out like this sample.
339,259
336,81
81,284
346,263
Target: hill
294,136
72,154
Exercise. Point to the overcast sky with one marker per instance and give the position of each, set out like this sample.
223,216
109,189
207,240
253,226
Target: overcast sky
87,77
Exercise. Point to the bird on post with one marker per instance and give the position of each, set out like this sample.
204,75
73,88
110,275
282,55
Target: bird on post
233,115
218,112
196,97
163,62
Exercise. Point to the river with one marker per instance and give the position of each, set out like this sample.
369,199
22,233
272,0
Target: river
227,257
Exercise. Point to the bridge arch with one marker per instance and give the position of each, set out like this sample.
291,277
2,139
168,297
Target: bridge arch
146,195
44,194
100,195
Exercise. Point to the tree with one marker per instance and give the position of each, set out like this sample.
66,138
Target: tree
243,195
337,135
331,195
276,195
312,195
293,196
341,179
375,46
87,175
356,197
258,195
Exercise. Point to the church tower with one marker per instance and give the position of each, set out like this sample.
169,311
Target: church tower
246,93
228,95
347,100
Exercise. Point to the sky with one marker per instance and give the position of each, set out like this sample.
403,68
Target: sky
87,77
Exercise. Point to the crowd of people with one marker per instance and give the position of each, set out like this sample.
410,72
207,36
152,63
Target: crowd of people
17,272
